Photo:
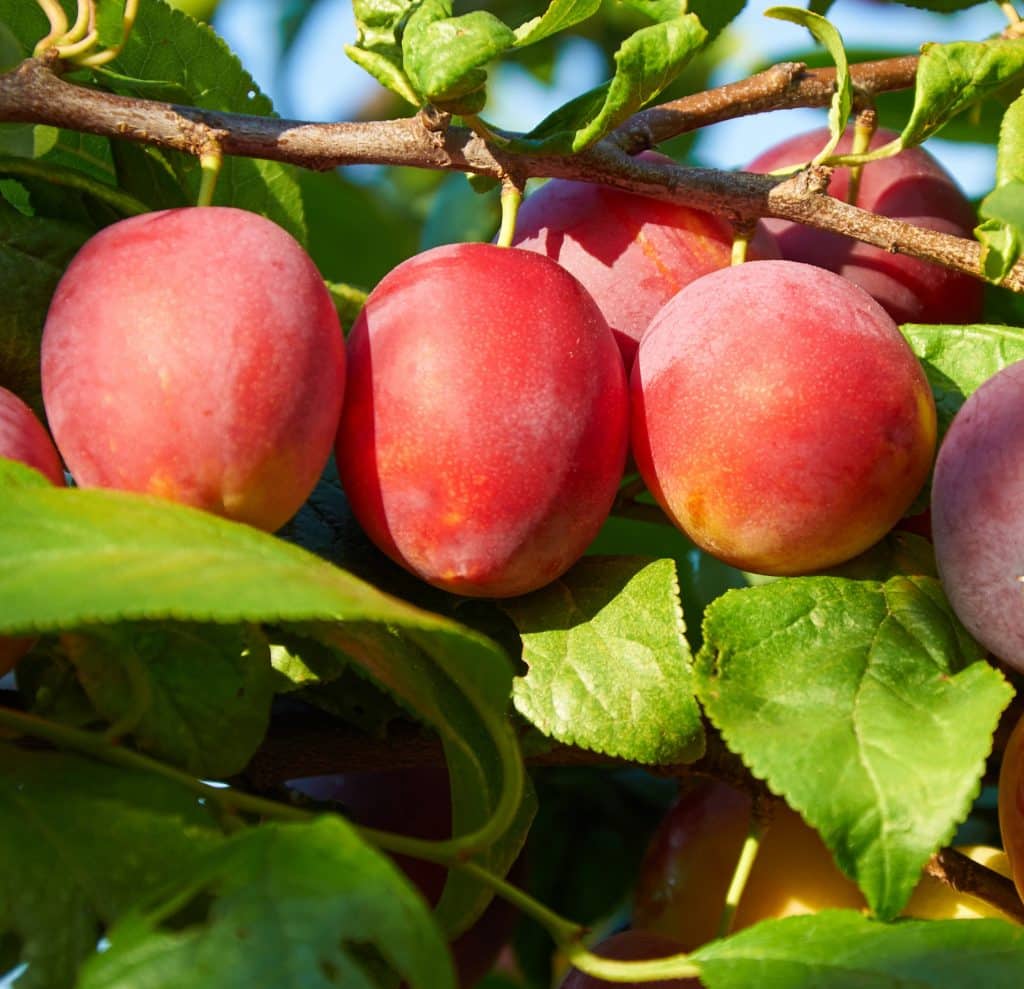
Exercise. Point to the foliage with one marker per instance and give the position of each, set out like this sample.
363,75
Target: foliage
170,642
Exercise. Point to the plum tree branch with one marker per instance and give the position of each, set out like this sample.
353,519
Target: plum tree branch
34,92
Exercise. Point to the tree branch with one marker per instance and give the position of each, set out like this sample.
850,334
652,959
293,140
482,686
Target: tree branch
967,876
32,92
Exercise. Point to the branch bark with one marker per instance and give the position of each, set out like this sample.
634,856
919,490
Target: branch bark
33,92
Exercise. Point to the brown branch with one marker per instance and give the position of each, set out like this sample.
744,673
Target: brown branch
782,87
33,93
967,876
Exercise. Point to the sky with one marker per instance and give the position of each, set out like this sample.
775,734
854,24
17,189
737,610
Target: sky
329,87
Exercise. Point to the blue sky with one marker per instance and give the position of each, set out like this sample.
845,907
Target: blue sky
330,87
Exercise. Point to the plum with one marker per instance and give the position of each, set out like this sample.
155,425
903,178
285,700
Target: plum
911,186
976,518
779,417
631,252
485,425
195,354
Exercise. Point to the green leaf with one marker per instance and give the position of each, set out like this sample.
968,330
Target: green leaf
952,77
82,843
646,62
560,15
841,949
829,37
14,474
609,665
865,705
941,6
70,558
442,55
1002,211
197,696
821,6
377,49
294,906
110,22
34,251
959,359
1002,235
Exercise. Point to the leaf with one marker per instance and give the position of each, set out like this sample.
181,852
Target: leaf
377,49
34,251
70,558
1002,211
169,46
442,55
865,705
197,696
82,843
831,40
294,906
560,15
959,359
458,213
841,949
646,62
609,665
952,77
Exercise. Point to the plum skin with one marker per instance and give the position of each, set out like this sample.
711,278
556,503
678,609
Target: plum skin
195,354
485,424
911,186
1011,803
24,438
779,417
976,522
632,253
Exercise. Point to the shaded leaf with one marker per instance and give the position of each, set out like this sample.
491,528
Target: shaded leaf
294,906
197,696
82,843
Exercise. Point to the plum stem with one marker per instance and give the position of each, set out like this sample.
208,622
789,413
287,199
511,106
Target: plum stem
863,131
740,243
1011,13
58,25
210,162
511,200
759,820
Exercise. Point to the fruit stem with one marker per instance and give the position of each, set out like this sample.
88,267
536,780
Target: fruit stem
58,25
511,199
1011,13
131,10
612,970
740,243
210,162
863,130
759,820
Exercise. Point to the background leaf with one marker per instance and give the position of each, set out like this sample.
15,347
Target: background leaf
82,843
559,15
609,665
294,906
865,705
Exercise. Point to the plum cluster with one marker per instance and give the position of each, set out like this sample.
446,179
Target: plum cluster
488,398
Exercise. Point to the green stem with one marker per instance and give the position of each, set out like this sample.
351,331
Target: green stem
210,161
748,855
739,249
611,970
863,130
68,178
511,199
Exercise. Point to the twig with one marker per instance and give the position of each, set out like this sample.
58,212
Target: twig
967,876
